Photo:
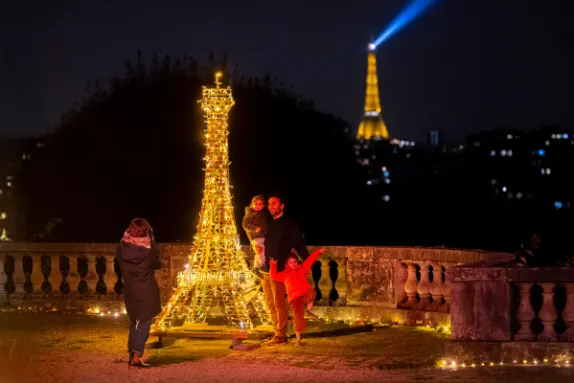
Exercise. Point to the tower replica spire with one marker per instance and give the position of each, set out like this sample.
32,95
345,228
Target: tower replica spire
372,125
212,292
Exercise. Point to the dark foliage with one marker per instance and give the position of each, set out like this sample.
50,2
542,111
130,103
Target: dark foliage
134,148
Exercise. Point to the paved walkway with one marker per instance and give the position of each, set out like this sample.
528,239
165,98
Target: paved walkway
65,348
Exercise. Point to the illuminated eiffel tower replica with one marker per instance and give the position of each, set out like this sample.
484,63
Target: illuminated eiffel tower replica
372,125
217,294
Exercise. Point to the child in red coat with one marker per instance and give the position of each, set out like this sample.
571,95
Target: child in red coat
299,291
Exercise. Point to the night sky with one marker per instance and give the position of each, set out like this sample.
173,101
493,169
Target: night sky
465,65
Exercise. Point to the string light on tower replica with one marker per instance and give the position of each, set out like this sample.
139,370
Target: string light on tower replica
216,294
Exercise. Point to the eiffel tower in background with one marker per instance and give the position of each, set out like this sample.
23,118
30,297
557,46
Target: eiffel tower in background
372,125
216,294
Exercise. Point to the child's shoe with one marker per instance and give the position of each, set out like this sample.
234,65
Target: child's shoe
311,315
298,342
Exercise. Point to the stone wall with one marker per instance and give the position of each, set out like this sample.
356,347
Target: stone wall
500,303
82,275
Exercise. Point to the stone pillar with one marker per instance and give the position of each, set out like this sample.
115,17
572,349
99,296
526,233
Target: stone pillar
55,277
446,294
325,282
110,276
400,280
91,276
436,288
18,277
548,313
341,284
525,314
73,277
423,289
411,286
36,277
568,314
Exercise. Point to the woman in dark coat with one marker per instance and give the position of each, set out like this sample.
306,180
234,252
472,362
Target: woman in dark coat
138,257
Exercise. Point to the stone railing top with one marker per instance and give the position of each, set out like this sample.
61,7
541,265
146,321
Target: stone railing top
352,253
473,273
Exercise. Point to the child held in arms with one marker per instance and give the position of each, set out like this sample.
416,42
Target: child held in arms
299,291
255,226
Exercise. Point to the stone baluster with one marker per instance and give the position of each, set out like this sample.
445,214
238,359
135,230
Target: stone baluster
446,291
325,283
568,314
18,277
341,285
525,314
411,286
400,280
436,288
74,276
36,277
548,313
91,277
55,277
110,276
423,288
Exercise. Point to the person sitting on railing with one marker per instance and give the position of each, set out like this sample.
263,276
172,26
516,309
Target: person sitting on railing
299,291
138,257
529,253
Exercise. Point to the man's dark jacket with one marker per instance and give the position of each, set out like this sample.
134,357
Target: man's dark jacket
141,292
282,236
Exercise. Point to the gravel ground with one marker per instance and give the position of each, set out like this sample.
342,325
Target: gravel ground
64,348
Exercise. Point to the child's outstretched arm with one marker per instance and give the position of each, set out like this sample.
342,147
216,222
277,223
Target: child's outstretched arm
275,276
308,263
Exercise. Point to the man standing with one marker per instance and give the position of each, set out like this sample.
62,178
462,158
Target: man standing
283,235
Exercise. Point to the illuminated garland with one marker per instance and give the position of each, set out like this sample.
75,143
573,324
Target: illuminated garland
217,282
558,362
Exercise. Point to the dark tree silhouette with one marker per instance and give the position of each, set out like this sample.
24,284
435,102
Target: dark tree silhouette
134,148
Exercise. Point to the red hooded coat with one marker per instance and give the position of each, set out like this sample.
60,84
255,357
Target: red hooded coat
295,280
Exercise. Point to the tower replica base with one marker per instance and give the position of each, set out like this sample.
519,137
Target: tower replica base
217,296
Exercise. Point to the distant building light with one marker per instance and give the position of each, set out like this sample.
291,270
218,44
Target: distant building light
386,173
541,152
386,198
503,153
3,215
553,136
374,157
558,205
384,168
9,184
565,136
493,153
509,137
369,182
493,181
504,189
509,152
547,143
519,195
548,171
387,180
542,171
408,155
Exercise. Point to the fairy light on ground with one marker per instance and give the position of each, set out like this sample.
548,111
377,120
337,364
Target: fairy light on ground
560,361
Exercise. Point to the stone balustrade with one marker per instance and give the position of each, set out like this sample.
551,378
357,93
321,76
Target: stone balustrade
501,303
77,275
